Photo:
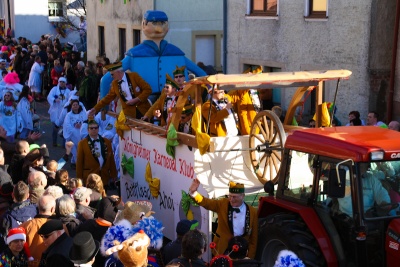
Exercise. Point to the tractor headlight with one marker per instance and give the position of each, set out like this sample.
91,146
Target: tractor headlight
377,155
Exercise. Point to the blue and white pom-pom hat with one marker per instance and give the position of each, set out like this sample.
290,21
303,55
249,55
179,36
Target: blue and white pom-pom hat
287,258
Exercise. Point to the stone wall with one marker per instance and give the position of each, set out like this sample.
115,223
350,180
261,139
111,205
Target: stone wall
342,41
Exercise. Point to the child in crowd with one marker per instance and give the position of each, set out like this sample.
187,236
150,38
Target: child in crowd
62,178
74,183
51,167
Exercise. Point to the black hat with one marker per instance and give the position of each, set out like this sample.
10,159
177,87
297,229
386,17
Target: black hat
108,209
84,248
50,226
185,226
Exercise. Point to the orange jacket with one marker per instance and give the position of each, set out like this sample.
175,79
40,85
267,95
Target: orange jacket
142,90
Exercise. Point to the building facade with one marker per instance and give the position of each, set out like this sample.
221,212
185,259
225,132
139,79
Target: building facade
195,27
31,19
286,35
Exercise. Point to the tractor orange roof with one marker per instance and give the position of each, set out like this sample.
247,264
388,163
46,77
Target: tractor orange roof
347,142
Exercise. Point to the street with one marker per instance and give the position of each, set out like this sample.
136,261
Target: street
46,129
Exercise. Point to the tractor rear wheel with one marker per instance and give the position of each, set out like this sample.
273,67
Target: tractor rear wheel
287,231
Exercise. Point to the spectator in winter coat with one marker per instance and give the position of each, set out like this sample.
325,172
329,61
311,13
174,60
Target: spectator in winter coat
21,211
22,148
46,207
57,243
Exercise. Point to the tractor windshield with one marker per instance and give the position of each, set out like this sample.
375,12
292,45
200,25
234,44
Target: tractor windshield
380,184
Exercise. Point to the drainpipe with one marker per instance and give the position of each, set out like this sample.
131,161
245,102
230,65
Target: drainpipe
393,67
9,15
225,36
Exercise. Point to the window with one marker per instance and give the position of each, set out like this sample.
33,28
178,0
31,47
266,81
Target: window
55,9
136,37
316,8
102,47
263,7
122,42
299,178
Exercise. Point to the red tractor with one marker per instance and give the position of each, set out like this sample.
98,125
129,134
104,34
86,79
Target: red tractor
336,199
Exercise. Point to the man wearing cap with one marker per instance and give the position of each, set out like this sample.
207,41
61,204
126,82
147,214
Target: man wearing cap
235,217
222,117
132,90
180,79
57,98
161,109
179,76
95,155
84,249
185,123
173,249
82,201
154,57
58,245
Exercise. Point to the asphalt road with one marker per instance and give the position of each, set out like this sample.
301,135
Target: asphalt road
46,129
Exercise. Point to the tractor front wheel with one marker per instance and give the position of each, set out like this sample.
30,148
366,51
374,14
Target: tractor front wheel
287,231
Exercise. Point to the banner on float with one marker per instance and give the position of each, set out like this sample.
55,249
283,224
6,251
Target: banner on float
149,173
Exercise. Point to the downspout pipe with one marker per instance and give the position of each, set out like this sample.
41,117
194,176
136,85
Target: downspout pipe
394,62
225,36
9,15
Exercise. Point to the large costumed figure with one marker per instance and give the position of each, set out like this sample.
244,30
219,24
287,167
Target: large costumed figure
120,242
154,57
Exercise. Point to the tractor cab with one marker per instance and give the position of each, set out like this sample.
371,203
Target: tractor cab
337,198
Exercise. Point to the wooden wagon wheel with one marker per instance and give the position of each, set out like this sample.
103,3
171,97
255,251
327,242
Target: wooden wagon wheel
267,138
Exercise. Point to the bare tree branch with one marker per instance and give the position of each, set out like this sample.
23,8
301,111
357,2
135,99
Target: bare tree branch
74,9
